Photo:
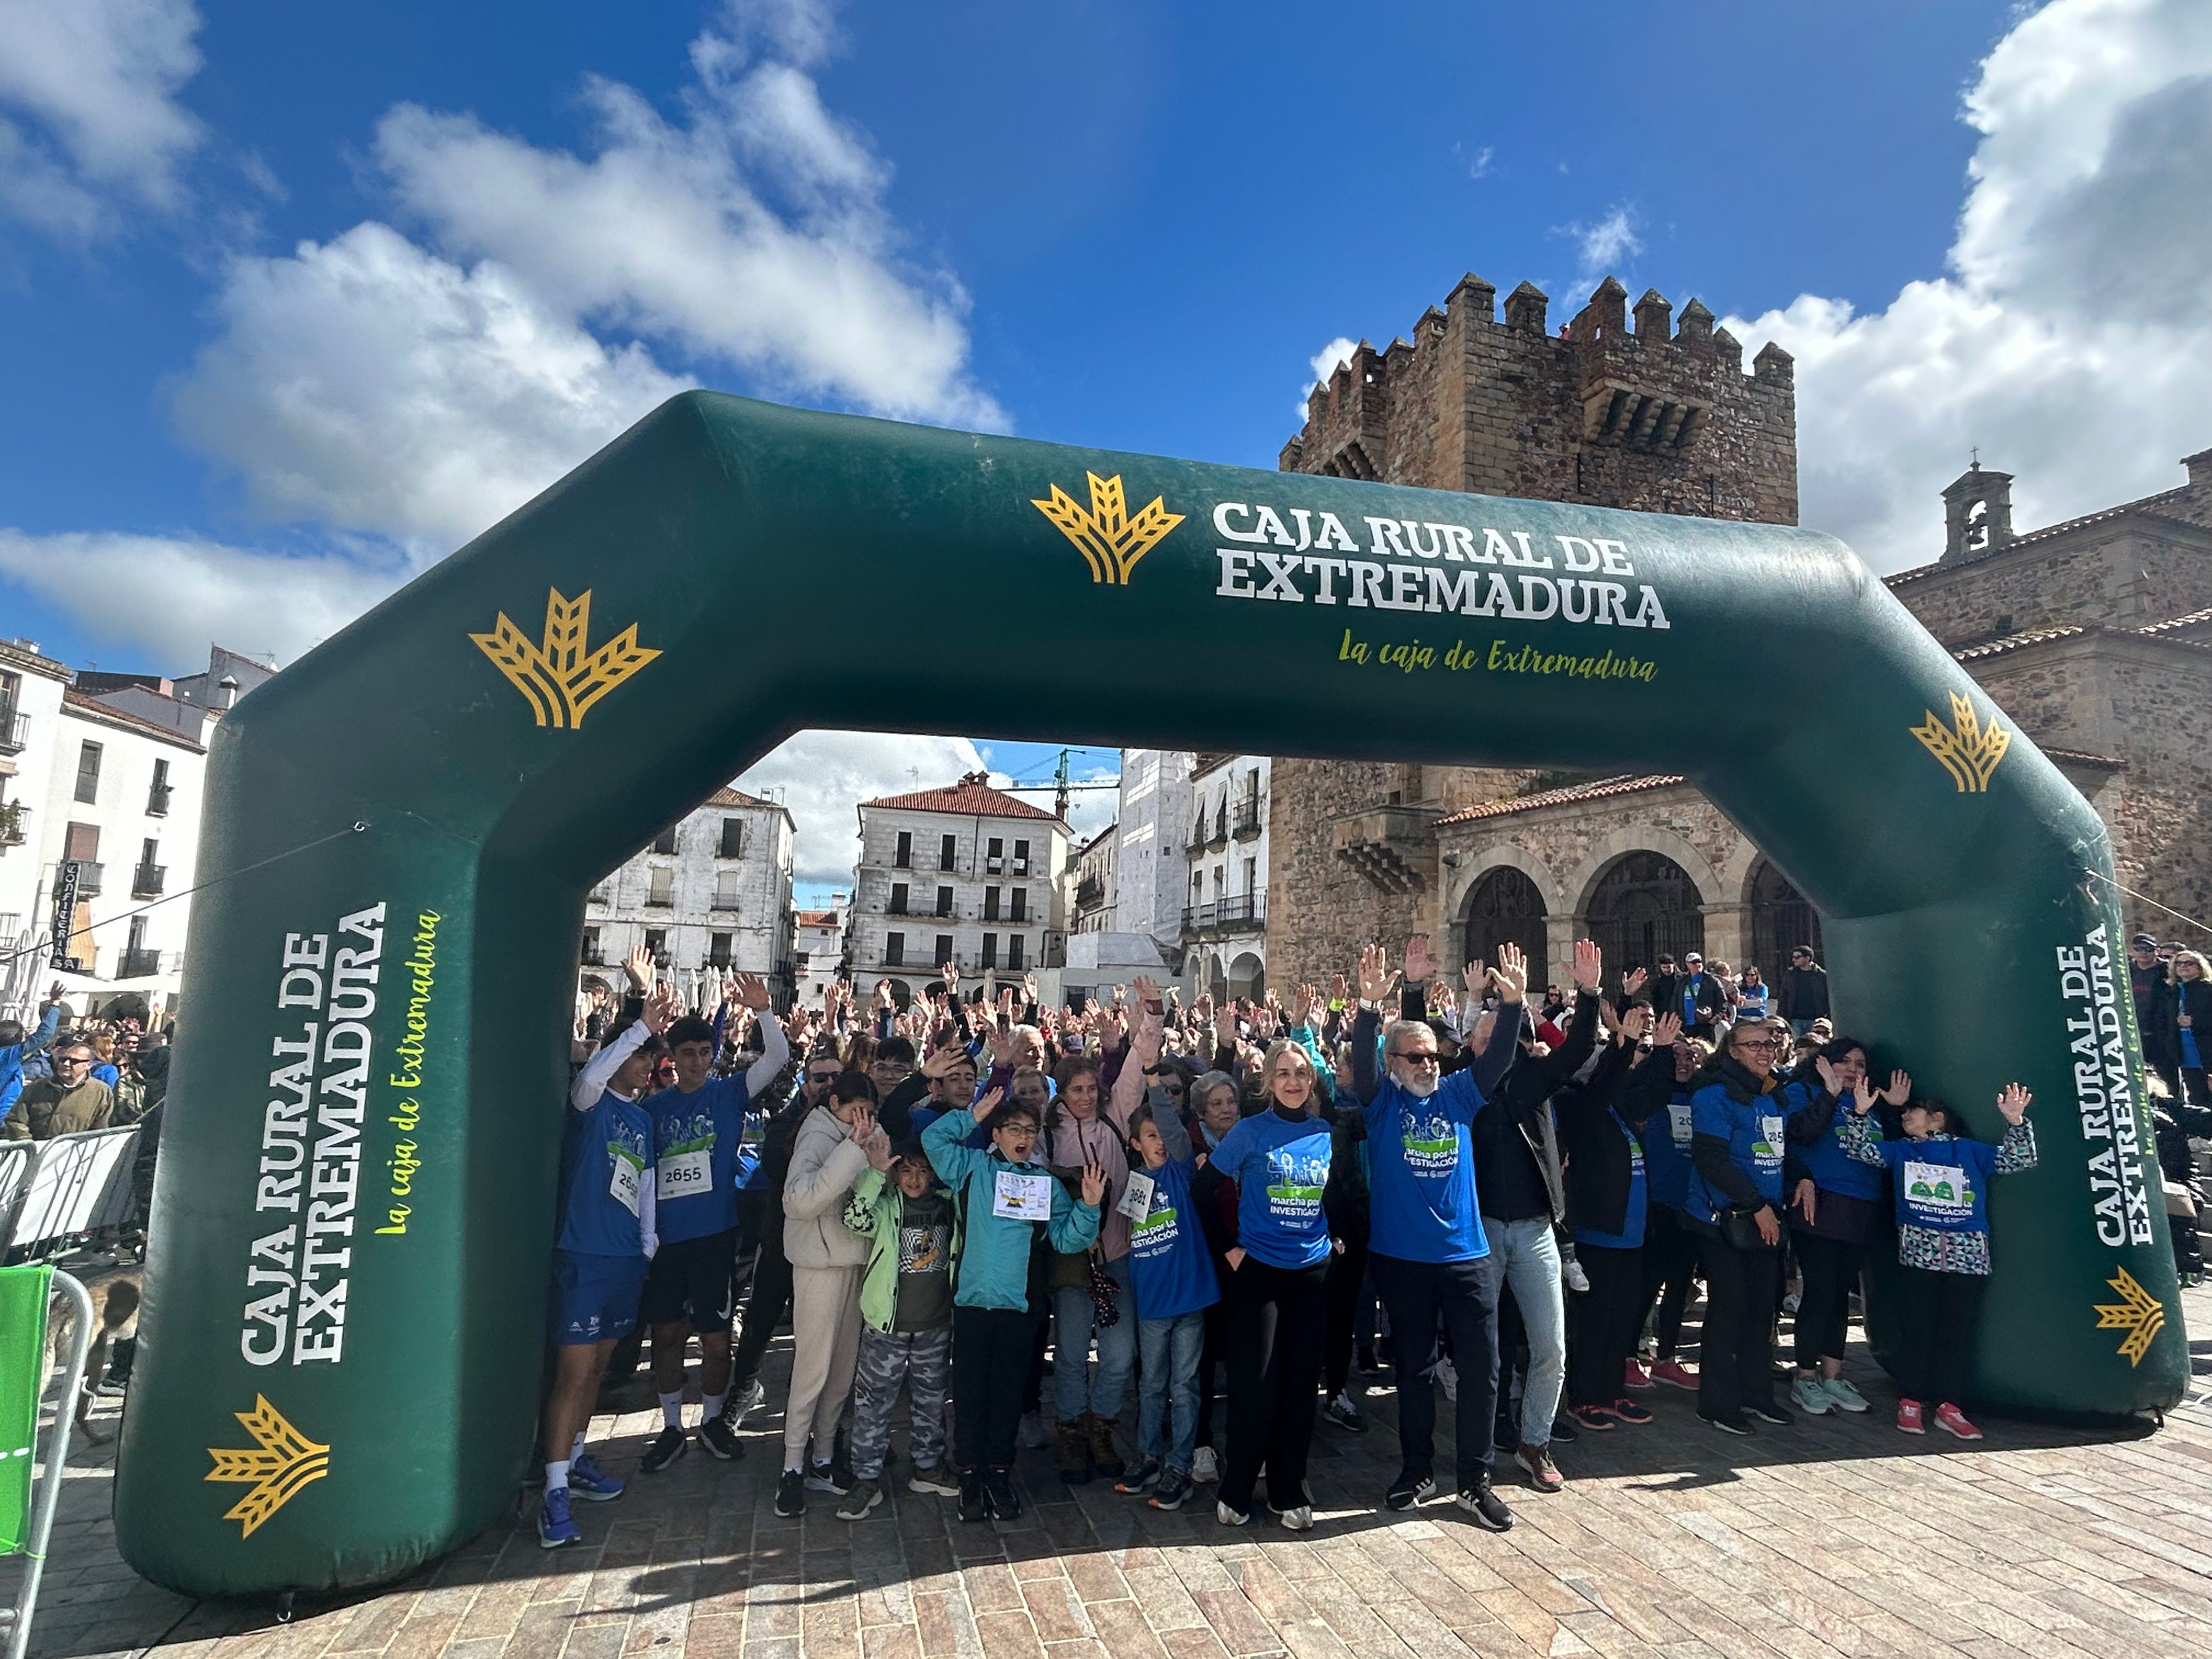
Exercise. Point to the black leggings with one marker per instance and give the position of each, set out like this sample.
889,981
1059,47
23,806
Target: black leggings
1461,1296
764,1308
990,1364
1348,1278
1670,1263
1830,1267
1736,1366
1276,1316
1937,1313
1602,1323
1209,1361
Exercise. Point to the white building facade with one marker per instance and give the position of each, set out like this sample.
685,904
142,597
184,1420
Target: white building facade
710,894
1094,873
818,949
1224,922
31,687
966,876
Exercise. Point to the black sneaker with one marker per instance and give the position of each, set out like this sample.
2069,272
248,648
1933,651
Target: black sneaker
1563,1428
1733,1424
667,1446
715,1436
974,1505
1485,1507
1780,1416
746,1398
791,1493
999,1493
1409,1489
1367,1364
826,1477
1341,1411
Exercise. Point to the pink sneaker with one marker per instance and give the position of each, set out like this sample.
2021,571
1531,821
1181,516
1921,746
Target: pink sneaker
1952,1420
1675,1375
1908,1417
1636,1375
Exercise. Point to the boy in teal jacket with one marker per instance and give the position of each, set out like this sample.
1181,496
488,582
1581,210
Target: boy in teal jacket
1004,1199
906,1321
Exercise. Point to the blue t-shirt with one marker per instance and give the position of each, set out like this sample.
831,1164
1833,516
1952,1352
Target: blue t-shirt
1168,1266
1754,1133
602,1158
1420,1172
1751,1001
1280,1165
1942,1183
1666,1140
1690,987
106,1073
1834,1170
1631,1235
696,1143
2191,1056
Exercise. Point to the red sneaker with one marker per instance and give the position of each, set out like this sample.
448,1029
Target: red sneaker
1952,1420
1636,1375
1908,1417
1675,1375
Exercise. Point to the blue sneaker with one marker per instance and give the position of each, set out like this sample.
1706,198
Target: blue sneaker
588,1481
554,1526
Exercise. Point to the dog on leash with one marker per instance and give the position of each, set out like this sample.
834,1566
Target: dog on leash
115,1300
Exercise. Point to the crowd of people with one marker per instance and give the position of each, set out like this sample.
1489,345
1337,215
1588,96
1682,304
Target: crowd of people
1230,1208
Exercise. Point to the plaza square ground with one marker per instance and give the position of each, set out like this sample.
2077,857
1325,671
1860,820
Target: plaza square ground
1839,1535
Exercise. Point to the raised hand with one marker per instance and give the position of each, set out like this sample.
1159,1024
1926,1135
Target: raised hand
638,964
940,1061
1589,964
661,1009
1899,1090
1148,992
1030,987
1376,980
878,1148
1510,976
750,989
1665,1031
1633,981
862,1125
1631,1025
2012,1101
884,998
988,1103
1421,963
1476,978
1094,1184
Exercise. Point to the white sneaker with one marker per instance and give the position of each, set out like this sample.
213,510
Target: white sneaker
1812,1396
1843,1394
1204,1466
1298,1520
1576,1280
1229,1518
1448,1374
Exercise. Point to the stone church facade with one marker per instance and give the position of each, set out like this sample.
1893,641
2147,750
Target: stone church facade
2094,636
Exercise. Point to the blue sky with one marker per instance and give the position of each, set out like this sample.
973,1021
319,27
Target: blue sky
293,299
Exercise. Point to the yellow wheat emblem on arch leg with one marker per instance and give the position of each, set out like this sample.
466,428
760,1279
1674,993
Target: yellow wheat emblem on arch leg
1110,541
1968,750
283,1462
2138,1313
559,674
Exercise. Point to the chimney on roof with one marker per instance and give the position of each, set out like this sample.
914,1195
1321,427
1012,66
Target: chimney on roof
1977,514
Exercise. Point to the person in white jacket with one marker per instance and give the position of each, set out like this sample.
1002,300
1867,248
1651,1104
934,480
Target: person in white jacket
828,1262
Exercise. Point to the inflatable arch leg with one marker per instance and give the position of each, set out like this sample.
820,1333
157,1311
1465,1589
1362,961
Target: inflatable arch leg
344,1316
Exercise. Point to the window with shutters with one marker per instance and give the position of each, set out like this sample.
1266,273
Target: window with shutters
733,838
87,773
904,858
1021,905
1021,858
990,951
666,840
991,903
726,885
662,892
656,945
1014,952
947,848
897,906
944,949
944,901
893,950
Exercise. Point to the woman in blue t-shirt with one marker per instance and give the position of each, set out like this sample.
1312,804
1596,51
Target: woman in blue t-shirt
2193,1006
1277,1289
1942,1186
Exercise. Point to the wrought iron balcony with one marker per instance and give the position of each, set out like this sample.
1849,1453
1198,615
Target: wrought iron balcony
146,880
88,876
157,799
140,963
1240,913
15,730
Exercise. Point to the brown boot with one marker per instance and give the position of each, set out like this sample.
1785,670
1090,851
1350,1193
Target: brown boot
1103,1457
1071,1453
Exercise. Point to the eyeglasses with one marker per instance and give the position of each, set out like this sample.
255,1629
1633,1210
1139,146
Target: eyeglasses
1417,1059
1756,1042
1173,1088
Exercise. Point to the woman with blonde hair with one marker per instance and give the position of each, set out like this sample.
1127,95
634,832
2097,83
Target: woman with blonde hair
2192,1037
1276,1290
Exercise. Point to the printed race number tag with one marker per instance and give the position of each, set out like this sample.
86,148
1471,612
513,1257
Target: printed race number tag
1678,1122
1137,1202
1942,1188
1022,1197
621,1185
684,1175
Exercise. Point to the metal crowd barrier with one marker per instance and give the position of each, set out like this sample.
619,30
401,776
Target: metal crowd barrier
53,1193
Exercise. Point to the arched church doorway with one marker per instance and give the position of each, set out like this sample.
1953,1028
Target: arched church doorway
1643,907
1505,907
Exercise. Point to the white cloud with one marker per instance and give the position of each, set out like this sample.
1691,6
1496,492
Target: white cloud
1478,166
1605,244
1324,364
2069,338
170,596
92,87
821,775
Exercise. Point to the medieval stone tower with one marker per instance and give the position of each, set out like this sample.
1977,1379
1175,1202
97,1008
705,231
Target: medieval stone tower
1662,419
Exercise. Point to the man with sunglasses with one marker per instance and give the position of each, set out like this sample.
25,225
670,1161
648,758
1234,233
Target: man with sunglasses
70,1102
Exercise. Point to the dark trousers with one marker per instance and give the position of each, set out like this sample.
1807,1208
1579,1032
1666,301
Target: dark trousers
751,1209
1463,1297
1736,1362
1670,1267
1602,1323
1829,1268
1209,1362
1937,1313
1276,1316
764,1308
1033,1384
990,1362
1347,1276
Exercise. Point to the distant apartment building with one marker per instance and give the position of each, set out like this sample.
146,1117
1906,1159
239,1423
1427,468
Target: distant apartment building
1225,915
818,949
1092,875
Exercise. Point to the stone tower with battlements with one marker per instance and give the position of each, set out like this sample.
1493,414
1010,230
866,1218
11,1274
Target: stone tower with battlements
1657,418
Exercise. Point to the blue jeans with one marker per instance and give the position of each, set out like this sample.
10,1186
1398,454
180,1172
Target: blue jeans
1527,1257
1073,1392
1170,1348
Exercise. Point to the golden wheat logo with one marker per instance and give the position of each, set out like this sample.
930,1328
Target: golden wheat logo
1110,541
2138,1313
283,1462
1969,750
561,676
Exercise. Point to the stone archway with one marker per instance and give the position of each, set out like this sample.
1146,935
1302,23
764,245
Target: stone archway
1781,919
1247,975
1505,906
1644,906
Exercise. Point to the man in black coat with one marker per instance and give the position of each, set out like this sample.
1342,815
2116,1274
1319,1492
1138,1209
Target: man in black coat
1804,991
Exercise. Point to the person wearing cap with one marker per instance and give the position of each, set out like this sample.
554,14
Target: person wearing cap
1804,991
2148,978
1703,1001
1664,988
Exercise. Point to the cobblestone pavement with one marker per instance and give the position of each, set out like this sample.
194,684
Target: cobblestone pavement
1837,1536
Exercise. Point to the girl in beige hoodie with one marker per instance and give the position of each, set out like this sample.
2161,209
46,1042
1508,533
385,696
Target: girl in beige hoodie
828,1259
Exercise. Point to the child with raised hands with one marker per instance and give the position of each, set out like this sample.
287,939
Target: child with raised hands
1004,1197
1941,1182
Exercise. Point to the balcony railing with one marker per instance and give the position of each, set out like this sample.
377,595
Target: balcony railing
146,880
665,902
1223,914
1248,820
13,828
87,877
15,730
593,956
139,964
1089,891
722,902
157,799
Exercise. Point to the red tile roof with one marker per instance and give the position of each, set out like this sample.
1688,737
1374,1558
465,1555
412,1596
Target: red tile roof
817,918
1580,792
2026,637
971,798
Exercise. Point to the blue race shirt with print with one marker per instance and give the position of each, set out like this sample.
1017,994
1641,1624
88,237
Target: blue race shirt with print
1754,1133
1168,1266
1942,1183
603,1153
1280,1165
1833,1169
1420,1172
696,1142
1667,1152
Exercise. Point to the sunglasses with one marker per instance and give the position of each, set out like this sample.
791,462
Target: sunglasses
1417,1060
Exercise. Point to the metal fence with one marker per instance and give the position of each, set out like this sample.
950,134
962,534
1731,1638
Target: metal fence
55,1193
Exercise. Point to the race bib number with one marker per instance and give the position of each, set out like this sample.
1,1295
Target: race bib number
1941,1187
1022,1197
1137,1203
1769,1149
684,1175
1678,1123
623,1183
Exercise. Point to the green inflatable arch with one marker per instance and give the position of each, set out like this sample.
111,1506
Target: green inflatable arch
344,1314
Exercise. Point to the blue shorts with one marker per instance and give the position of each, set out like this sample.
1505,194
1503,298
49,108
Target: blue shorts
595,1297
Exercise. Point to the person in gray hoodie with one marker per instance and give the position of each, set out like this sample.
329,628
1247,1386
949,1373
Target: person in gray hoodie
828,1262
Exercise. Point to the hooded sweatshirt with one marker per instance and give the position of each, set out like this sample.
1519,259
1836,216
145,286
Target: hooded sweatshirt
825,1164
